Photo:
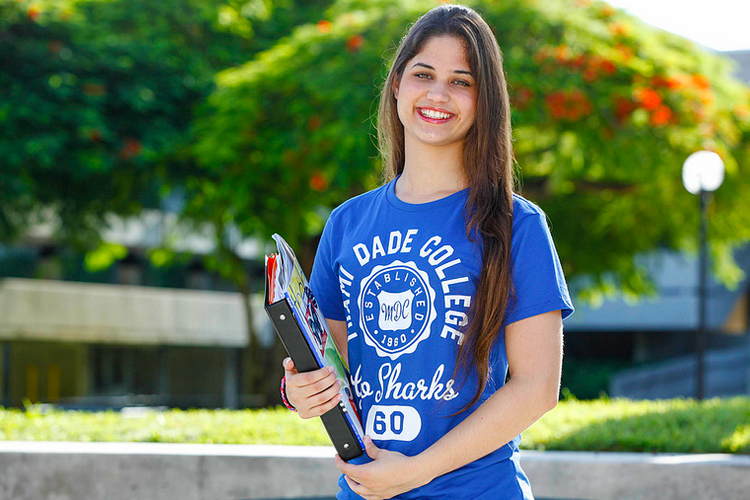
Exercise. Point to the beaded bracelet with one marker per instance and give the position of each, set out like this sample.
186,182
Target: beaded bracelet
283,395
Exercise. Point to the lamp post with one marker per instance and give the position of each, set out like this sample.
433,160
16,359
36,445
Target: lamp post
702,174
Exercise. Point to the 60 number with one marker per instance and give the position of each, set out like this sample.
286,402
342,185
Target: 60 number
380,423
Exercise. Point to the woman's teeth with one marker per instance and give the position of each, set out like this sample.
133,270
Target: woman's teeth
436,115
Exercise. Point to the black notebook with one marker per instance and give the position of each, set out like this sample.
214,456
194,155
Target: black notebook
303,330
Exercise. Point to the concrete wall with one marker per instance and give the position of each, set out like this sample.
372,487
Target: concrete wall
120,471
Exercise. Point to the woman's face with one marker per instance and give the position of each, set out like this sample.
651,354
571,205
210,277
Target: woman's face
437,94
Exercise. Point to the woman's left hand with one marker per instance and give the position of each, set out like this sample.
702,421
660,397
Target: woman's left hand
389,474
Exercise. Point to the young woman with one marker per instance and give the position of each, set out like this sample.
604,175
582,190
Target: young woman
442,287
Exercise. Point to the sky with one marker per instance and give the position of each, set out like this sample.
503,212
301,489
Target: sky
721,25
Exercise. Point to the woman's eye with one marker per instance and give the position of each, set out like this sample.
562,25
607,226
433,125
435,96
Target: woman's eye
422,75
463,83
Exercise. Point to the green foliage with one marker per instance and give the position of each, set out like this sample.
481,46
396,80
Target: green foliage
98,96
104,256
606,109
97,93
676,426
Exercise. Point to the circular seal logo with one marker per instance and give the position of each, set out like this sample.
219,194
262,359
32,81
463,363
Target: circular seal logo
396,308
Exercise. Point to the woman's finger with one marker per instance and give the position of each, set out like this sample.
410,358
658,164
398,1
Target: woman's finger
359,489
323,377
327,405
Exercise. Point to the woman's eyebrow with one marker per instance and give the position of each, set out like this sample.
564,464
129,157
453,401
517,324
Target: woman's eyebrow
433,69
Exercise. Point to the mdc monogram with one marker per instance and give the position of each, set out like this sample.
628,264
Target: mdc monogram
396,304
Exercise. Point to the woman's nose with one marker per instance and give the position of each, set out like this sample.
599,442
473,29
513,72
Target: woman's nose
438,92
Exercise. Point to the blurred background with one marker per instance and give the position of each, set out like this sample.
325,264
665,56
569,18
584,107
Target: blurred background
148,150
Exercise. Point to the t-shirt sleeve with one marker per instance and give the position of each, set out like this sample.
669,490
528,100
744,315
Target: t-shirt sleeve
537,273
324,281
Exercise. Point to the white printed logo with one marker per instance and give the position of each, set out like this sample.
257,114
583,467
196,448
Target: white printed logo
395,423
397,308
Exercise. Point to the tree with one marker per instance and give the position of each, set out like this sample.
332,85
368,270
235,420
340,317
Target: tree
605,110
97,98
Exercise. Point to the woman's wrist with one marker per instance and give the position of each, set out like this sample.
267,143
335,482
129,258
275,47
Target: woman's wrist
284,399
425,467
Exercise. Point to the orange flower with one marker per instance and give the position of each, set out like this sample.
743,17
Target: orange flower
625,52
95,135
314,123
579,105
318,182
562,53
578,61
54,46
542,54
647,98
674,83
354,42
324,26
619,29
33,13
623,108
94,89
661,116
569,105
522,98
742,111
707,97
608,11
701,81
608,66
130,149
590,74
556,104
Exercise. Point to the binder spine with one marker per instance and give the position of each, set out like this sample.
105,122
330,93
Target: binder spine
339,429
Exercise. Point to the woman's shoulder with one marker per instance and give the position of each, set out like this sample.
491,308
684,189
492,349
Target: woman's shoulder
523,208
362,203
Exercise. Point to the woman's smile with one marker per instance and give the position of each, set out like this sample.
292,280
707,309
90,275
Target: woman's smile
433,115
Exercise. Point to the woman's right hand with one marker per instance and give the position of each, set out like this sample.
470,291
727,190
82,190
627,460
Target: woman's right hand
311,393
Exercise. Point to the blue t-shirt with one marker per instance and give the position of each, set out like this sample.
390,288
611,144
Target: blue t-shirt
403,277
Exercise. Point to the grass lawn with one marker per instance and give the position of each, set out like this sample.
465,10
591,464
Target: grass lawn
678,425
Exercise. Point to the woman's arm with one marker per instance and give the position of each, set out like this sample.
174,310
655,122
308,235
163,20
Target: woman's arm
534,348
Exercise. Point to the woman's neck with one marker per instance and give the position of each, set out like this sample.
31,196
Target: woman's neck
430,174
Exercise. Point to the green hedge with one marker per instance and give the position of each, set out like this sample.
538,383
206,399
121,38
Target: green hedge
682,426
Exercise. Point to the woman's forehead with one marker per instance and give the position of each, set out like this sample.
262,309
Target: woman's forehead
446,51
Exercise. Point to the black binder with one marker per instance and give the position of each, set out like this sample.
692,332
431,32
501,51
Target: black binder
342,422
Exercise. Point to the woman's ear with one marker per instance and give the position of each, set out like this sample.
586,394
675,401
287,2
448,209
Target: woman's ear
396,82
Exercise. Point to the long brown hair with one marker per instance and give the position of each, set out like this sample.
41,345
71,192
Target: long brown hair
488,165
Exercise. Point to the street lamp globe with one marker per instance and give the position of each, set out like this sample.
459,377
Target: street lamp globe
703,171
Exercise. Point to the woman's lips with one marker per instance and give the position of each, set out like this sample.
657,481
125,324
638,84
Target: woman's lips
434,120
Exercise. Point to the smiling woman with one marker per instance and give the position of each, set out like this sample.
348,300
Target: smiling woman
441,283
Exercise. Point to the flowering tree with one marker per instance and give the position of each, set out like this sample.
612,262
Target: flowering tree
97,97
605,110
